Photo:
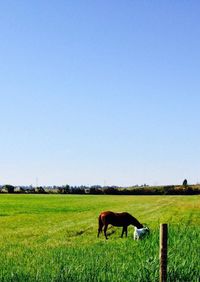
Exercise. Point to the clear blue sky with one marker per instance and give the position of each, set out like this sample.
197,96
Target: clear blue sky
99,92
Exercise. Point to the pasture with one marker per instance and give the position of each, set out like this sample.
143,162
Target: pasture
54,238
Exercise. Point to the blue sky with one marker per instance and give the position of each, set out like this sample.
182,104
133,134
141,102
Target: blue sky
99,92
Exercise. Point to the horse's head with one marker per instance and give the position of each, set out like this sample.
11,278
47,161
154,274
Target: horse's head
139,225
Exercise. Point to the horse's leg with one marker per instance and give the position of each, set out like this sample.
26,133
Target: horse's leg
100,226
105,229
126,230
99,231
123,229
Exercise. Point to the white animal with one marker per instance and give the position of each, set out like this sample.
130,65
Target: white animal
140,232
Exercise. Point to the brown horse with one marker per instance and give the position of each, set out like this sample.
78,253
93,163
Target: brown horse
123,219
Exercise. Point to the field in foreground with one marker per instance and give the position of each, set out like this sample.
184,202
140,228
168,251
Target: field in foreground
54,238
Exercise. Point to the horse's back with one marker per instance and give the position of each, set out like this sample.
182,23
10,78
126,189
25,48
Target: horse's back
106,215
116,219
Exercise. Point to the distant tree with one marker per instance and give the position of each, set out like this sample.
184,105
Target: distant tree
77,190
31,190
19,189
9,188
96,187
185,183
169,189
95,190
111,190
40,190
66,189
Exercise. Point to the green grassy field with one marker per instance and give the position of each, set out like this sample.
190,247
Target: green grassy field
54,238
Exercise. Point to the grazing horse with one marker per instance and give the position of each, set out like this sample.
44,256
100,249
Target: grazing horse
123,219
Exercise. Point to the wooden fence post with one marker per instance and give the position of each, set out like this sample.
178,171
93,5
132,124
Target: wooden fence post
163,252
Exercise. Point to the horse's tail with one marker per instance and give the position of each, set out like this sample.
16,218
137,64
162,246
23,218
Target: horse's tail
100,225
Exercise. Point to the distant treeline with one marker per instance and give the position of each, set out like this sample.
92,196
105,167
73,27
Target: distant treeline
108,190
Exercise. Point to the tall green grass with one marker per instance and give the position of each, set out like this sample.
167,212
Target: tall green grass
54,238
